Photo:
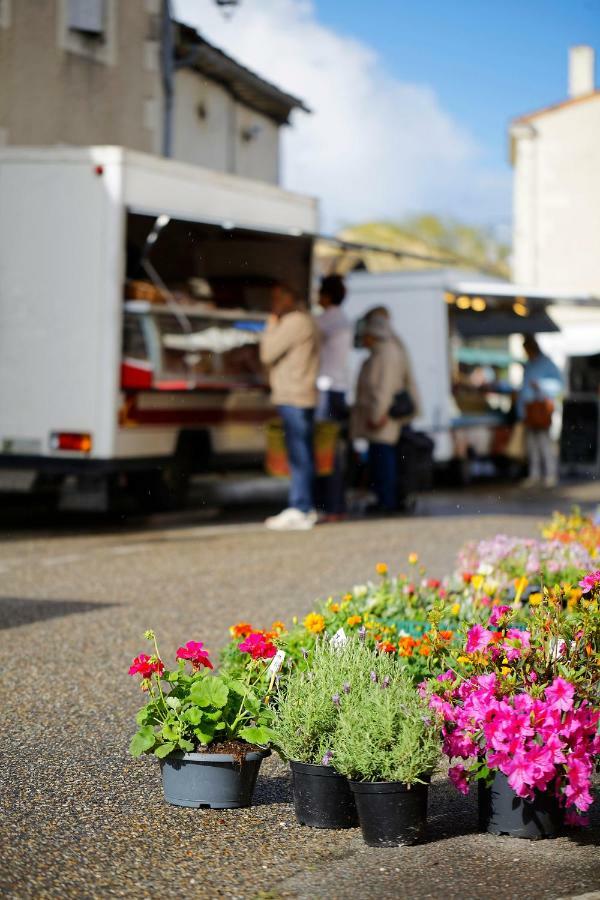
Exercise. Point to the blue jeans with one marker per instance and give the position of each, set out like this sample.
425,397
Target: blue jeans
382,474
330,489
298,427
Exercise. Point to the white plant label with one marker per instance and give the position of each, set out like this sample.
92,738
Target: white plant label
339,639
276,663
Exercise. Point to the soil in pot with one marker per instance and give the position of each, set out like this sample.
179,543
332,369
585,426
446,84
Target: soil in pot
222,776
322,797
502,812
391,813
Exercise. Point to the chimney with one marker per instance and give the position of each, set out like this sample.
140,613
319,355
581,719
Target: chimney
581,71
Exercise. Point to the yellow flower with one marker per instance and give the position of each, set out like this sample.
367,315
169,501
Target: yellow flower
477,581
413,558
294,620
463,659
520,585
505,670
335,607
354,620
455,609
347,598
381,568
535,599
314,622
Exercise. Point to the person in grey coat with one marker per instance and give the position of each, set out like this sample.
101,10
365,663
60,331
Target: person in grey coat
385,372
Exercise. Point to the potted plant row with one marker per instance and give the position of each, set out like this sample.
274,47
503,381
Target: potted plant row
209,732
361,743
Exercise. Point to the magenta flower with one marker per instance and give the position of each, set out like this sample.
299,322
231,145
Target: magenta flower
196,655
498,613
458,777
478,639
258,646
560,694
145,666
590,581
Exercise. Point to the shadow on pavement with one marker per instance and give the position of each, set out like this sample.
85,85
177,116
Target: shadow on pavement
16,611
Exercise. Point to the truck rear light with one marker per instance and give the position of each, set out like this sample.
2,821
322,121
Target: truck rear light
136,374
76,442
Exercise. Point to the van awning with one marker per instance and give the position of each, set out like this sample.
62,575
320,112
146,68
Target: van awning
501,322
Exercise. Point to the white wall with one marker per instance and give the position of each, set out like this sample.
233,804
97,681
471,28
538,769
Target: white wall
216,139
557,199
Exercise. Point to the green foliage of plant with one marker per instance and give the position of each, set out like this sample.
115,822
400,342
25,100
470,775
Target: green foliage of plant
356,684
189,711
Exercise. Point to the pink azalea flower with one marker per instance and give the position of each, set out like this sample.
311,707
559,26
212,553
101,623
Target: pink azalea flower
498,613
196,655
574,820
589,582
458,777
560,694
478,639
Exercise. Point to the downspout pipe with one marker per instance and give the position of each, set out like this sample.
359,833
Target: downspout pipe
167,47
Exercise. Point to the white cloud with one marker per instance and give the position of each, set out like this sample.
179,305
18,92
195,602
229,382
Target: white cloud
374,147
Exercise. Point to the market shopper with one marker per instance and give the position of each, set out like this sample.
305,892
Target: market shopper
542,383
384,375
290,349
336,343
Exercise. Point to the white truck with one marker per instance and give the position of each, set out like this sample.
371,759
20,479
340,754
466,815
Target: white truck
462,332
132,293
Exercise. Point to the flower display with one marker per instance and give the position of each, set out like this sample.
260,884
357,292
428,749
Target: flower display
193,651
589,582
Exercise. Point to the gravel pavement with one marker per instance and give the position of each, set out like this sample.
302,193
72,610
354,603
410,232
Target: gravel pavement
80,818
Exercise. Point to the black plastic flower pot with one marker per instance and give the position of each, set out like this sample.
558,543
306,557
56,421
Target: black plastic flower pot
322,797
502,812
210,780
391,813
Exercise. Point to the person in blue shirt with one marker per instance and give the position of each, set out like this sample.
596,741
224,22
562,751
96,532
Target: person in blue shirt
542,381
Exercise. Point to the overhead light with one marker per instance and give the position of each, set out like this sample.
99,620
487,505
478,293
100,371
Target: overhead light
449,297
520,308
478,304
463,302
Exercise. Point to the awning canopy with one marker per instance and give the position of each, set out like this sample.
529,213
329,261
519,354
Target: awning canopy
500,322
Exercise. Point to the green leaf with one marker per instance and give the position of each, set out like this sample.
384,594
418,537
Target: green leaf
257,734
164,749
186,745
173,702
172,676
236,686
142,741
194,715
204,735
170,732
213,716
210,691
143,716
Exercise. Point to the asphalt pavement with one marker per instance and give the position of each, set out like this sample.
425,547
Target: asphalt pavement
80,818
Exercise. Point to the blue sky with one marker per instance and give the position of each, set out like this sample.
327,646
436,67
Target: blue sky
486,61
411,101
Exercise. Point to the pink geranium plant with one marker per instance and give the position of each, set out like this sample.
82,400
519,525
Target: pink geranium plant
526,702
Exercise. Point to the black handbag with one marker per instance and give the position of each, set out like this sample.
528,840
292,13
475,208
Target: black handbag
403,406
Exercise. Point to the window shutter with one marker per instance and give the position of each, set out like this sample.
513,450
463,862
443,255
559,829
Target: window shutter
87,16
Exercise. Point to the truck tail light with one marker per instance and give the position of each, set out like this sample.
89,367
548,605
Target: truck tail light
76,442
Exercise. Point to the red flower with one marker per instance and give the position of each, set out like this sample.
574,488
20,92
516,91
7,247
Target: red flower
258,646
145,665
386,647
433,583
196,655
466,577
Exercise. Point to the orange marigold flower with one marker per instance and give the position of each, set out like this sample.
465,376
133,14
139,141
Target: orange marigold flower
314,622
381,568
424,649
335,607
446,635
386,647
413,558
347,598
354,620
278,627
241,630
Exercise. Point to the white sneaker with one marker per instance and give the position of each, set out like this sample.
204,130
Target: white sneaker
292,520
550,481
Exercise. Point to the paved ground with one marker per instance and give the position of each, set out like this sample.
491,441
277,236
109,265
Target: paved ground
82,819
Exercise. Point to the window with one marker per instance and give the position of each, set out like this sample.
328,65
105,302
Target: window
87,17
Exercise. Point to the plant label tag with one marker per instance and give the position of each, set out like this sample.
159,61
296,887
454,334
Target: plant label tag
276,663
339,639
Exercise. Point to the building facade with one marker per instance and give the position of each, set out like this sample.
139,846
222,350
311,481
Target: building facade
111,72
556,204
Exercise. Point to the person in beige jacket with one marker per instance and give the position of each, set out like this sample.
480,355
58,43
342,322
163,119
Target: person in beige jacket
385,372
290,350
